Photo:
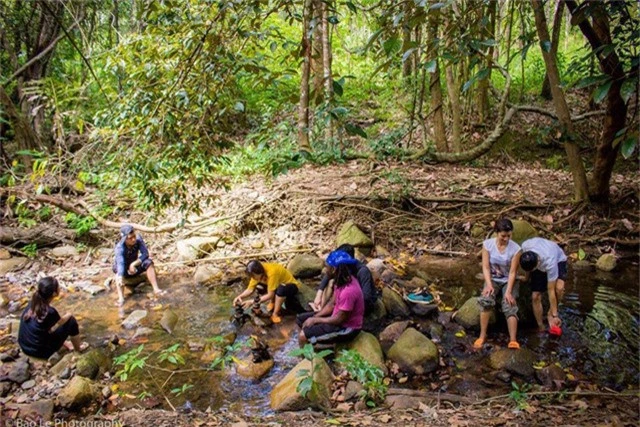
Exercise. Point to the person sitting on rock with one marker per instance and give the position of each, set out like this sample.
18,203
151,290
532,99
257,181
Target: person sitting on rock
361,272
132,260
42,331
342,318
500,257
546,266
282,287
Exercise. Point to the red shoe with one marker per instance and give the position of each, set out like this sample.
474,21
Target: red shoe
555,330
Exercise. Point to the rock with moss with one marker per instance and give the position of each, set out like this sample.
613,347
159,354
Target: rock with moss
93,364
394,303
351,234
78,392
414,353
285,395
606,262
391,333
368,347
305,266
518,362
469,314
522,231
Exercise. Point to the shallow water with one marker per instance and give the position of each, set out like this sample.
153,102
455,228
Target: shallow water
600,312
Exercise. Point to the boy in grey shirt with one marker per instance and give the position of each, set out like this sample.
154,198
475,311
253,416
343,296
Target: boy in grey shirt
546,266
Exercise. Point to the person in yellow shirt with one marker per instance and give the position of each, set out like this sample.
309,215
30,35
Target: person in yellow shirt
282,287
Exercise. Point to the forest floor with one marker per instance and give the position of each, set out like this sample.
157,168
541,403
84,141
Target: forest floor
408,208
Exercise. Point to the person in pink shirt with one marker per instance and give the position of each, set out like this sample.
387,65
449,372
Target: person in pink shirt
341,319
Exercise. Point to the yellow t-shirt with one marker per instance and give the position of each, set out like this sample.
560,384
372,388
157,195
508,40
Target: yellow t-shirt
276,275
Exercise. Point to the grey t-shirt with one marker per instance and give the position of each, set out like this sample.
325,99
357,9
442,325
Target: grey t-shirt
549,255
500,262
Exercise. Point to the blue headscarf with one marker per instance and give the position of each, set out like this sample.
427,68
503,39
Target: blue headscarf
337,258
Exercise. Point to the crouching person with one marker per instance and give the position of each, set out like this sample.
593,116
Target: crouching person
132,260
341,319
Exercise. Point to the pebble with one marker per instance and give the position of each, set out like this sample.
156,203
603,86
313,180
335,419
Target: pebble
28,384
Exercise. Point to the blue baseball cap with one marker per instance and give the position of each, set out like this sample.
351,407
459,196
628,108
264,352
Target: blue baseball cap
337,258
125,230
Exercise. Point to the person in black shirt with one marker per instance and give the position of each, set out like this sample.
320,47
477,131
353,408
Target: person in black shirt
42,330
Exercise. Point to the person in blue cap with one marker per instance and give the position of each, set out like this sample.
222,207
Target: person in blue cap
342,318
131,260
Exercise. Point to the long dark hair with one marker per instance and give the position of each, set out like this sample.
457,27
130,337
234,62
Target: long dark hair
47,288
342,275
503,224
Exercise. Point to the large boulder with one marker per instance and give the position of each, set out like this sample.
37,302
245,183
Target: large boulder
169,320
35,413
66,363
196,247
522,231
469,314
378,312
305,266
551,376
394,303
391,333
414,353
518,362
17,372
7,265
206,274
285,397
606,262
93,364
77,393
369,348
351,234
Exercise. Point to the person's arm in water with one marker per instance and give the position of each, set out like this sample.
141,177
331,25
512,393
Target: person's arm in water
513,271
486,273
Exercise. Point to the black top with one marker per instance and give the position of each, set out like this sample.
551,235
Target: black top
363,274
34,334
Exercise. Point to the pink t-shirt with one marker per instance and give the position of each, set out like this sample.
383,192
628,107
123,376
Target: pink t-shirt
349,298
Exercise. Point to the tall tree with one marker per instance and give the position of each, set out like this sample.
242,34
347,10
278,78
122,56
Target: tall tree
435,88
581,191
305,54
555,41
326,68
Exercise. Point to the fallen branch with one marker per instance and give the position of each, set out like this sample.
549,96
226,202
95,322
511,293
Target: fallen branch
563,393
432,396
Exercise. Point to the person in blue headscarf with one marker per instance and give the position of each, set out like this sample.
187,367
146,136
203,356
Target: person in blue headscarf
342,318
131,260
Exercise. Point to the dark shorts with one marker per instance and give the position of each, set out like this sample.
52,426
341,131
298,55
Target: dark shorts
144,266
290,293
538,280
324,333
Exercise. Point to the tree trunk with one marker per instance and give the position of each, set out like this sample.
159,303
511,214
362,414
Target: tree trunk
453,90
434,83
305,53
581,192
326,67
483,84
599,35
316,51
407,65
24,135
555,40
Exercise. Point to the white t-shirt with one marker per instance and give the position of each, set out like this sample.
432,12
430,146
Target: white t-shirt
549,255
500,262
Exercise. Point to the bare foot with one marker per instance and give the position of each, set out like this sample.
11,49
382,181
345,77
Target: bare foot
83,346
159,292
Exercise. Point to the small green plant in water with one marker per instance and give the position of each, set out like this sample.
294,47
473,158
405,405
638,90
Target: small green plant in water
519,395
130,361
171,355
228,352
370,376
308,384
181,390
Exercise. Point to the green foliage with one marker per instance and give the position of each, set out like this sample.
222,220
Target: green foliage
370,376
180,390
30,250
171,355
555,161
130,362
307,383
519,395
26,217
228,352
581,254
81,224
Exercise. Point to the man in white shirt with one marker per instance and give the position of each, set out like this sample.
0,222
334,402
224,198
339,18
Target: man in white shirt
546,266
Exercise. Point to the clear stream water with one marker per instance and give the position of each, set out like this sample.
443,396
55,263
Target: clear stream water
600,311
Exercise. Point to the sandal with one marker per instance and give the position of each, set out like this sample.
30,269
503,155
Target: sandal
477,344
514,345
270,306
276,319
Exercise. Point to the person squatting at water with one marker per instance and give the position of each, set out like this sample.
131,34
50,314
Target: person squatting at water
282,287
546,266
42,331
342,318
127,263
360,272
500,257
